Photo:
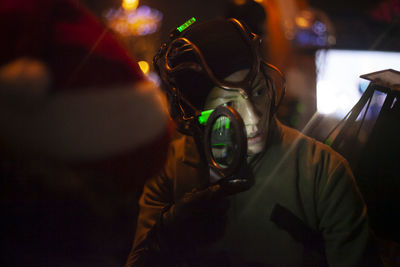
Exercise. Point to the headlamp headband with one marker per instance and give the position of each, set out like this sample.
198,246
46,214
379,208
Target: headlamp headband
185,44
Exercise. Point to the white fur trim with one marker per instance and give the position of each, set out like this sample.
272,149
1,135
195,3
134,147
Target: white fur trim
85,124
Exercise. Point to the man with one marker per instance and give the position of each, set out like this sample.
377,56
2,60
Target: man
304,208
81,129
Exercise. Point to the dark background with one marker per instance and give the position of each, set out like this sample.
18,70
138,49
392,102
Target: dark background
96,227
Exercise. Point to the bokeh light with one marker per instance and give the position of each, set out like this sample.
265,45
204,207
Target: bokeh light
138,22
239,2
144,66
130,4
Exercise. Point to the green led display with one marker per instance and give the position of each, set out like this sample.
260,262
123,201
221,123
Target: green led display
204,116
186,24
219,145
219,123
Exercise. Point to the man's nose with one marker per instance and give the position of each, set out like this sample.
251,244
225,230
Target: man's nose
249,114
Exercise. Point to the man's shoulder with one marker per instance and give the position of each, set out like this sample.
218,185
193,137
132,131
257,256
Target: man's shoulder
294,139
313,159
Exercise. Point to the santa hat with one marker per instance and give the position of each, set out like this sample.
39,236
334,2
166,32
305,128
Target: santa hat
69,91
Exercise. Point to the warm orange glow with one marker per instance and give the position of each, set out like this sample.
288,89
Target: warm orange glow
302,22
258,1
130,4
139,22
239,2
144,66
278,49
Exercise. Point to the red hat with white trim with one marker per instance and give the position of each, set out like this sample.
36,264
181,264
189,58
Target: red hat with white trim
70,92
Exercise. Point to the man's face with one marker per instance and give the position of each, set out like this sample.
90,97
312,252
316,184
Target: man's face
254,110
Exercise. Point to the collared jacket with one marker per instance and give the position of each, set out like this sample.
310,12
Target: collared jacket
304,208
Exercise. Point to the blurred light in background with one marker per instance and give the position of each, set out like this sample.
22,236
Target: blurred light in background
154,78
338,84
144,66
302,22
130,4
138,27
239,2
310,29
134,21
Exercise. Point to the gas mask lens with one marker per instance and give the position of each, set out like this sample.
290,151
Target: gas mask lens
222,138
222,142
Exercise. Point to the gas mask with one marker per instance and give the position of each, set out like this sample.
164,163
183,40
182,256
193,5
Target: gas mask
220,129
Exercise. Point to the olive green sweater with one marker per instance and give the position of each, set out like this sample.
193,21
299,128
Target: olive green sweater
304,208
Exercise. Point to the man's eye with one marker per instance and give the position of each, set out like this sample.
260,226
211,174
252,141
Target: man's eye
228,104
259,91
